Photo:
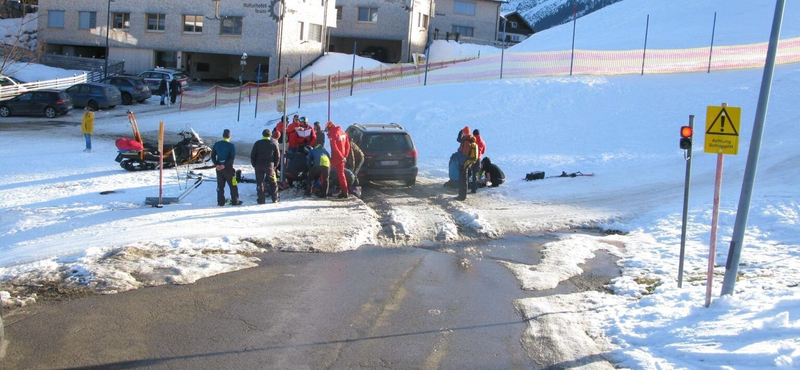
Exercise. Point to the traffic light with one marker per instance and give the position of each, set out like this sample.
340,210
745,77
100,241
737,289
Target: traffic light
280,106
686,137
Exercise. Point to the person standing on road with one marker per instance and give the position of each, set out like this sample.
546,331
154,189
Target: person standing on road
174,90
340,149
163,88
468,153
223,154
87,127
320,134
319,167
355,160
476,168
264,158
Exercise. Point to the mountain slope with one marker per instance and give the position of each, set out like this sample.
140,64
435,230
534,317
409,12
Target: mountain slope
544,14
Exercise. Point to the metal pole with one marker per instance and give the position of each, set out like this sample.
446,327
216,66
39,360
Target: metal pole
258,88
732,266
685,207
503,50
239,112
427,61
329,98
353,73
644,53
108,25
711,51
712,246
285,124
574,22
300,87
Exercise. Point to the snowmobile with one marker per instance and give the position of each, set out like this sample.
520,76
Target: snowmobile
136,155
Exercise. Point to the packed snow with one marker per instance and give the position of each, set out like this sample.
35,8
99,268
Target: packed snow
32,72
623,129
333,63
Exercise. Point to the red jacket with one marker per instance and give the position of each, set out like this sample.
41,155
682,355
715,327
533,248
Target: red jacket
302,136
481,145
291,130
340,145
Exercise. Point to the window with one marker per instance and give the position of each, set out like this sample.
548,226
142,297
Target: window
302,29
122,21
463,7
463,31
419,19
192,23
315,32
513,24
368,15
55,19
155,22
338,13
231,26
87,20
425,21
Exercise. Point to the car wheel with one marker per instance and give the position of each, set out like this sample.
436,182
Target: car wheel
142,101
93,104
5,112
127,99
50,112
111,106
411,182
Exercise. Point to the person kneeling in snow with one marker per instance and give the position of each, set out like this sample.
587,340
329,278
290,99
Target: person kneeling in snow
493,173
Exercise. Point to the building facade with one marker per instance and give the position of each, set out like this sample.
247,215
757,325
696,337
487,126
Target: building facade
515,28
389,31
205,38
473,20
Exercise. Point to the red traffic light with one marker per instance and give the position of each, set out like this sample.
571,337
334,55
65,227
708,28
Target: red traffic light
686,131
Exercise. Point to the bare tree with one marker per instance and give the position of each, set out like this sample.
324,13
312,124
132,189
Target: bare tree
20,46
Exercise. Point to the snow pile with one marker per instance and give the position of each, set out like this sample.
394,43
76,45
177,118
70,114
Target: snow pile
333,63
21,32
451,50
560,261
32,72
674,24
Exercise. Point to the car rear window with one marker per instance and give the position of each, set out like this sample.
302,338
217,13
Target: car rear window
137,82
63,96
387,142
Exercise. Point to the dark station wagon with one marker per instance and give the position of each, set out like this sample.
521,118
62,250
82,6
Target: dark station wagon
50,103
389,152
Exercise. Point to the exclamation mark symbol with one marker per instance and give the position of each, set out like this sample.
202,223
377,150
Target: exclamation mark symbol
722,128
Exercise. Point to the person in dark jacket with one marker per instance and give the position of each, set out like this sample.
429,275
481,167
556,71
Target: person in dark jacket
163,86
320,134
264,158
174,90
319,164
494,174
476,168
223,154
355,160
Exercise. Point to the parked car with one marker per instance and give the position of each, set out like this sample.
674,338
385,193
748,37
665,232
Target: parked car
389,152
9,81
153,77
48,102
95,95
131,87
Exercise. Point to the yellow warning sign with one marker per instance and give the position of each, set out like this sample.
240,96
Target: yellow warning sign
722,129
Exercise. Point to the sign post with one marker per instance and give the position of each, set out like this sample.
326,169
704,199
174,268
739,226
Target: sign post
160,163
722,137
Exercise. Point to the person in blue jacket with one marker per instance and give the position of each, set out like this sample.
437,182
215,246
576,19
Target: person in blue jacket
223,154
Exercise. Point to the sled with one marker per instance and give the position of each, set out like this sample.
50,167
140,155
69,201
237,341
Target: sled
158,202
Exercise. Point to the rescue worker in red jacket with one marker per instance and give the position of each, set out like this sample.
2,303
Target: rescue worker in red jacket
303,135
291,132
340,148
476,168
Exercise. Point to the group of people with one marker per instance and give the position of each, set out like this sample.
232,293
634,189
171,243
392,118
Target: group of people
306,160
169,90
479,172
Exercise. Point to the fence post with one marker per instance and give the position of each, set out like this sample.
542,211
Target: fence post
215,95
258,88
313,81
644,53
574,22
353,73
711,51
180,104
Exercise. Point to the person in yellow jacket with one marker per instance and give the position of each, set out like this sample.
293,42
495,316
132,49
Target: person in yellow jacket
87,127
468,151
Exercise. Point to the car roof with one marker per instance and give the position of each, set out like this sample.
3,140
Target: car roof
47,91
380,127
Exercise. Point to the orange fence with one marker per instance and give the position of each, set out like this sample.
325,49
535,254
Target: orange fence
514,65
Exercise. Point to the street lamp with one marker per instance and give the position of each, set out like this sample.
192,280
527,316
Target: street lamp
242,63
108,25
503,50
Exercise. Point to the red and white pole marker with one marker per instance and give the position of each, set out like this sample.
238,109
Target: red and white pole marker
714,220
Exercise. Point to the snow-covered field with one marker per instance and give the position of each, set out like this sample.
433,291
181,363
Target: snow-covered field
624,129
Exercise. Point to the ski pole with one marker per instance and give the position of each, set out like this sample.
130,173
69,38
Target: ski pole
177,174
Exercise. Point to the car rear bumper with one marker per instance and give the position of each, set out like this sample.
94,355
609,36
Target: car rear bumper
388,174
142,95
63,108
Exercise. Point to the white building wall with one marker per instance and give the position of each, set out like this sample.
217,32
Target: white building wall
136,60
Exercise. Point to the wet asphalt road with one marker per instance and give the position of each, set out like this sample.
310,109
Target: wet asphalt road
374,308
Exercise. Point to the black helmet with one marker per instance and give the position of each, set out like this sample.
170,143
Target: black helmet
307,149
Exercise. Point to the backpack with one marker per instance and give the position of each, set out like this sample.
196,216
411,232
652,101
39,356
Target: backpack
453,167
536,175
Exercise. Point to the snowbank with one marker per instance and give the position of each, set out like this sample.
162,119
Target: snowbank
444,50
332,63
32,72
